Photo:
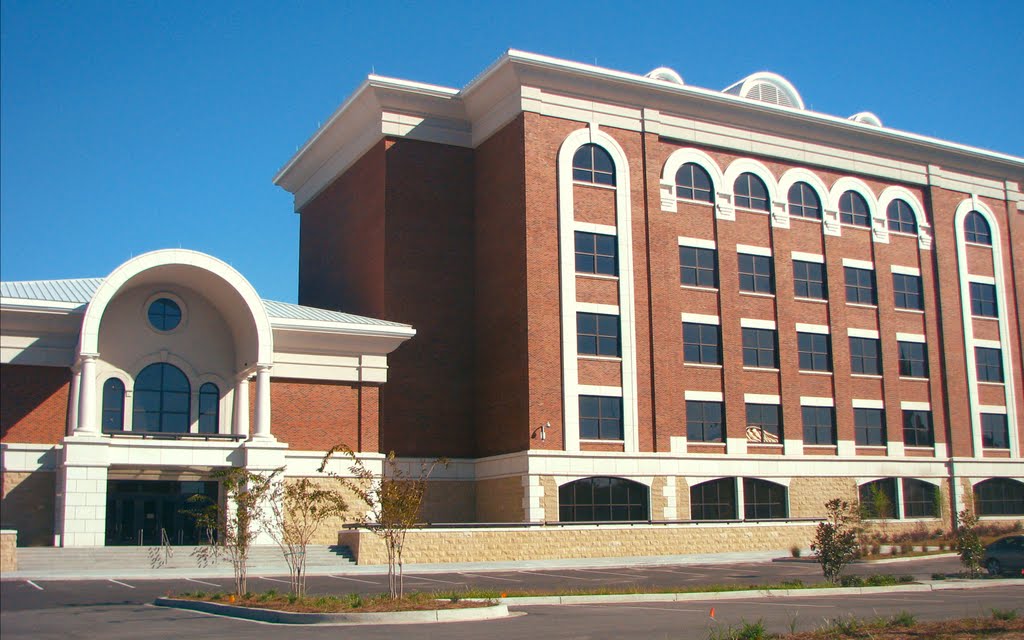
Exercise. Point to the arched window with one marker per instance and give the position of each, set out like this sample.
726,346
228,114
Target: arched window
113,405
901,217
999,497
162,400
694,183
209,408
804,201
853,209
603,499
976,229
713,500
763,500
593,164
878,499
751,192
920,499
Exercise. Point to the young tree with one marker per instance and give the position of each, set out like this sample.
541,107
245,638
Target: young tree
298,508
232,528
968,543
835,540
393,501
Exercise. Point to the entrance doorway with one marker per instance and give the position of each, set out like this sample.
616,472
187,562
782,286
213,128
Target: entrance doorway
138,511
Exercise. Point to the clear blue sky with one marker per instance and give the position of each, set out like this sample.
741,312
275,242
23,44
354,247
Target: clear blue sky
128,127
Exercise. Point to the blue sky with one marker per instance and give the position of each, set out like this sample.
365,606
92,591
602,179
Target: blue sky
128,127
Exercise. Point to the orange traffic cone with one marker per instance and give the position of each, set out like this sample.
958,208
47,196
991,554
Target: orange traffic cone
712,613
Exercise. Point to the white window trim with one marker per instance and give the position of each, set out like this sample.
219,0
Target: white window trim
757,323
698,243
858,264
911,337
593,307
754,251
906,271
698,318
761,398
807,257
817,401
868,403
592,227
862,333
703,396
802,327
907,405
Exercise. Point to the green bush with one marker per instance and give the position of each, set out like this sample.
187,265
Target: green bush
1004,614
902,619
851,581
835,540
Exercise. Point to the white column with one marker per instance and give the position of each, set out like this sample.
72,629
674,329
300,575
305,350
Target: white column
241,426
87,424
262,431
76,381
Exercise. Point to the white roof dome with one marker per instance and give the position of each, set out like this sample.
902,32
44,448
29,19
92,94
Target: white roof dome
866,117
665,74
767,87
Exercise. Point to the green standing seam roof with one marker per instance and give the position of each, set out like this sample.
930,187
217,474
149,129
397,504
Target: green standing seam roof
81,291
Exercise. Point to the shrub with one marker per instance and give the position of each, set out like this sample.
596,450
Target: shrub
938,576
902,619
905,579
835,540
795,551
968,542
1004,614
880,580
851,581
906,548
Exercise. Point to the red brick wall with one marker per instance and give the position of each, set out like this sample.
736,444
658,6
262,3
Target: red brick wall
33,403
314,416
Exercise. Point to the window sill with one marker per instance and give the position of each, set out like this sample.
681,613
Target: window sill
914,379
814,300
691,201
804,218
765,369
590,356
990,383
973,317
850,225
601,441
701,365
755,294
815,373
872,447
704,443
750,210
862,305
596,276
764,445
696,288
919,447
869,376
978,244
919,312
906,234
820,446
609,187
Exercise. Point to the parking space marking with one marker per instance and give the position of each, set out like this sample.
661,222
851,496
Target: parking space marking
433,580
556,575
621,606
34,585
212,584
272,579
680,571
791,604
355,580
123,584
611,573
488,577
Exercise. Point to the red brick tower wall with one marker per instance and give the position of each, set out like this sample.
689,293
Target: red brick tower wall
35,403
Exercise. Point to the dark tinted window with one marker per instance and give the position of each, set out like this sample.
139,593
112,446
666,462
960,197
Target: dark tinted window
764,423
860,285
995,433
920,499
976,229
813,350
756,273
162,400
603,499
600,418
906,292
878,499
809,280
698,267
819,425
983,300
901,217
596,253
999,497
763,500
913,359
597,334
989,364
209,408
917,428
701,343
693,183
869,426
751,192
853,209
804,201
164,314
759,348
593,164
713,500
865,356
113,405
705,421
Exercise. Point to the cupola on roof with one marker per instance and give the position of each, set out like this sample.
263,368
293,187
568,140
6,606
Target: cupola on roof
767,87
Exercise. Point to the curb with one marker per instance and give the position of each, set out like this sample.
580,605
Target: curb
739,595
287,617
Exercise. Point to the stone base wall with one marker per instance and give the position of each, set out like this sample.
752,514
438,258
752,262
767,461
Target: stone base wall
550,499
807,496
27,506
545,543
327,532
449,501
501,500
8,551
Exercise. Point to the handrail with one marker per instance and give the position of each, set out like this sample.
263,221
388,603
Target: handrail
158,435
558,523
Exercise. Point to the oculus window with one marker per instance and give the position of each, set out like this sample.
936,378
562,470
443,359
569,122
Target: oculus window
164,314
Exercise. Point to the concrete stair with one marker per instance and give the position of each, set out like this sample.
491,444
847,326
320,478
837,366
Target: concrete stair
263,558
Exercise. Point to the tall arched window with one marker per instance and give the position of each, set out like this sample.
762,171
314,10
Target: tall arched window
804,201
593,164
162,400
713,500
209,408
999,497
976,229
764,500
694,183
853,209
113,405
603,499
901,217
751,192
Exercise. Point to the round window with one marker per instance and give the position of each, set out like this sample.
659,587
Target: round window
164,314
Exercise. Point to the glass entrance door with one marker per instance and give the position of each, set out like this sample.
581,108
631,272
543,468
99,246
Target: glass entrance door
139,511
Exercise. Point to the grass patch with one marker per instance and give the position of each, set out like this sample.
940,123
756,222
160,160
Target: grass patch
1004,614
348,603
903,626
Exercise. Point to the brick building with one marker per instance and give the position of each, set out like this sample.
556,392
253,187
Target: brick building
641,300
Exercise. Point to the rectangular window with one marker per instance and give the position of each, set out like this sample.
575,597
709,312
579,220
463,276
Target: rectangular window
759,348
865,356
756,273
913,359
702,343
819,425
597,334
764,423
860,285
705,421
869,427
919,499
600,418
983,300
989,364
906,291
698,267
814,352
995,433
596,253
917,428
809,280
713,500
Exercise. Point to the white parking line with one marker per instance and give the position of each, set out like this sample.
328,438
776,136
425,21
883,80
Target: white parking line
488,577
612,573
555,575
606,606
273,579
34,585
212,584
120,583
433,580
790,604
355,580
